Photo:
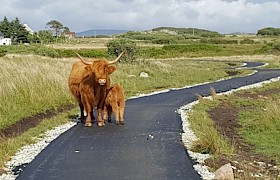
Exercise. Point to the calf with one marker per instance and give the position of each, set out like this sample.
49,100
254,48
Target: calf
115,101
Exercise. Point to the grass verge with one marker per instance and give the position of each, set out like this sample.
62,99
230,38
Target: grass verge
255,138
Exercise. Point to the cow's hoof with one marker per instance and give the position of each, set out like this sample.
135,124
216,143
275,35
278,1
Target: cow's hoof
117,122
100,124
88,124
122,122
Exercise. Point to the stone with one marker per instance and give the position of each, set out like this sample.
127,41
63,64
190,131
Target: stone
144,75
224,173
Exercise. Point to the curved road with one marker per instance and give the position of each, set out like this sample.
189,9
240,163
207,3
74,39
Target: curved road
148,147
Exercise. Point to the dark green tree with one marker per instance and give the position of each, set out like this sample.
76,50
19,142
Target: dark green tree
269,31
18,32
14,30
5,27
56,26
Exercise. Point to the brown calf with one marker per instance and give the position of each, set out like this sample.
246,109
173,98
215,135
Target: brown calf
115,101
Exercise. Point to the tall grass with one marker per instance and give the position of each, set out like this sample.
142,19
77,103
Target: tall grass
166,74
210,141
31,84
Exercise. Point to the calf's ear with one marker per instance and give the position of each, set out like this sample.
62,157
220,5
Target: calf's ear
111,69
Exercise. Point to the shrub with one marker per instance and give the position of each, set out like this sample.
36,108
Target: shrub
219,41
2,52
116,46
191,48
273,48
163,41
247,41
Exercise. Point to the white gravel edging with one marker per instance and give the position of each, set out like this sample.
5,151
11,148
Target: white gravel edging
27,153
188,136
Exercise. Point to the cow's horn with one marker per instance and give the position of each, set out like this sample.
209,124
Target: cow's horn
84,61
117,59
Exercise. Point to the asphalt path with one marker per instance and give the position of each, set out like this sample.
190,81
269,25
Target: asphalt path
147,147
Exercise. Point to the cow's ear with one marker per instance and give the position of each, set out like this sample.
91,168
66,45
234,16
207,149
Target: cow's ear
111,69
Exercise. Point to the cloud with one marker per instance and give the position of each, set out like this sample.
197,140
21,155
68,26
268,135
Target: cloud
224,16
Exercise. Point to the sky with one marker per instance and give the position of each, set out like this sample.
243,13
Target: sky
223,16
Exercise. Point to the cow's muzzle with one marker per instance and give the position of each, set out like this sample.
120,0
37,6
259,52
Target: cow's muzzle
102,81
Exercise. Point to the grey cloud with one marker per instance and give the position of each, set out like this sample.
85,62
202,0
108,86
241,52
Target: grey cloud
218,15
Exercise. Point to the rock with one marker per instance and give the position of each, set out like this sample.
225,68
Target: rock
144,75
224,173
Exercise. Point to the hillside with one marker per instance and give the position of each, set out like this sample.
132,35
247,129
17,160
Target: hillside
189,31
98,32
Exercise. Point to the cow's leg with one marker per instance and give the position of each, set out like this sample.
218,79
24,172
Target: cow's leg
115,108
81,105
88,119
82,112
121,111
92,116
100,121
105,113
110,114
89,111
122,115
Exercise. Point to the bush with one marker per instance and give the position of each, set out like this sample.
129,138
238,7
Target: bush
164,41
247,41
191,48
116,46
271,48
2,52
219,41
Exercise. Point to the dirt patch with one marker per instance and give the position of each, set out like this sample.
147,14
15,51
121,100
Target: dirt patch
29,122
232,72
248,165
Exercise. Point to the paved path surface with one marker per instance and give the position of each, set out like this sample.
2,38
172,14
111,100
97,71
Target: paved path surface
147,147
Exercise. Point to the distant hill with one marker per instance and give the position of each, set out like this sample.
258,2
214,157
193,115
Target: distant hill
191,31
98,32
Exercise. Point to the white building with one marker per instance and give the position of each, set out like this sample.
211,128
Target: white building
4,41
28,29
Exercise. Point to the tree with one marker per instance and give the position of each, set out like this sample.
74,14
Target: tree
18,32
14,30
33,38
45,36
56,26
5,27
269,31
66,29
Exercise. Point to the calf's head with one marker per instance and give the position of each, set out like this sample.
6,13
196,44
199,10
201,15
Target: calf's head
101,69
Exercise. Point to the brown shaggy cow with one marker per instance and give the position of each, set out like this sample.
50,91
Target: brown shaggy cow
115,101
88,82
